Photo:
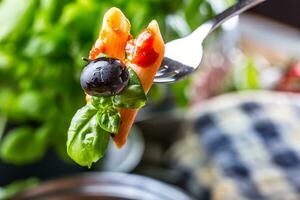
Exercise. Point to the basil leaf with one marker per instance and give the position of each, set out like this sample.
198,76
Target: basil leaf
133,96
109,120
24,145
102,102
87,141
133,78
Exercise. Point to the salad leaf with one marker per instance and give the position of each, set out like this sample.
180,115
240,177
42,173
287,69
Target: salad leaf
87,141
109,120
24,141
133,96
15,17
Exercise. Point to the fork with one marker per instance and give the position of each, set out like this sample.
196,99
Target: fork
183,56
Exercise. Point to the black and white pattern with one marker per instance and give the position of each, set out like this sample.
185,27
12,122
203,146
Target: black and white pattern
249,144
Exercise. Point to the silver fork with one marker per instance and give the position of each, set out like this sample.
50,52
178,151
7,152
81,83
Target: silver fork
183,56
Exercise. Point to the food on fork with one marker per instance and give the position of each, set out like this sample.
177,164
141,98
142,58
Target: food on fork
116,79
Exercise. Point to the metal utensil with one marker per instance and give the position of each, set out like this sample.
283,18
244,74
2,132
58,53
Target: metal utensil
183,56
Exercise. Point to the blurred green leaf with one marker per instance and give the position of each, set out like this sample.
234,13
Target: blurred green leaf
6,60
230,2
7,102
180,92
24,145
16,187
47,14
157,93
51,43
44,15
80,18
3,121
31,104
246,76
57,129
15,18
140,15
197,12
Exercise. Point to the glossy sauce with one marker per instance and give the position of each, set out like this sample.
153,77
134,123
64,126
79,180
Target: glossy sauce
140,51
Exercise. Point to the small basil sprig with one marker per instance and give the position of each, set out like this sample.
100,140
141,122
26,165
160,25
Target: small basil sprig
109,120
87,141
108,116
91,126
133,96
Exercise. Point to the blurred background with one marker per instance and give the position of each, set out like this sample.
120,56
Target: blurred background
251,58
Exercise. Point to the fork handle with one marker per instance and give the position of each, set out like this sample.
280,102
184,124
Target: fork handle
219,19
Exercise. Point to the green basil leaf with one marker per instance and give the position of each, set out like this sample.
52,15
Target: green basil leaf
133,96
102,102
87,141
133,78
24,145
109,120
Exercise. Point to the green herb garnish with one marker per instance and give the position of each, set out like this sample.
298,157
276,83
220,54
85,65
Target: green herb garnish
91,126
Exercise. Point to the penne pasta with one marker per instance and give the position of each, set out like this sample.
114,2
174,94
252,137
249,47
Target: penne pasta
112,40
146,75
113,35
119,73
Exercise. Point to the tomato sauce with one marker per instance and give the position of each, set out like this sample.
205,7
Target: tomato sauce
140,51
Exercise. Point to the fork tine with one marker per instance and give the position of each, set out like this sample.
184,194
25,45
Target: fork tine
164,80
169,77
171,71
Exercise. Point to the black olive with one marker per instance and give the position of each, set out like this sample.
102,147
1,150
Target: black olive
104,77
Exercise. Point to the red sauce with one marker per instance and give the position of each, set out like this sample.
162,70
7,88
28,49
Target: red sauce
140,51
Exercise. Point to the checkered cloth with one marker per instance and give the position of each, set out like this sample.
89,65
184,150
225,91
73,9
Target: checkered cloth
242,146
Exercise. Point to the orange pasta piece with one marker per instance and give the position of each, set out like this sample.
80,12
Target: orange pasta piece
145,55
113,35
146,75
